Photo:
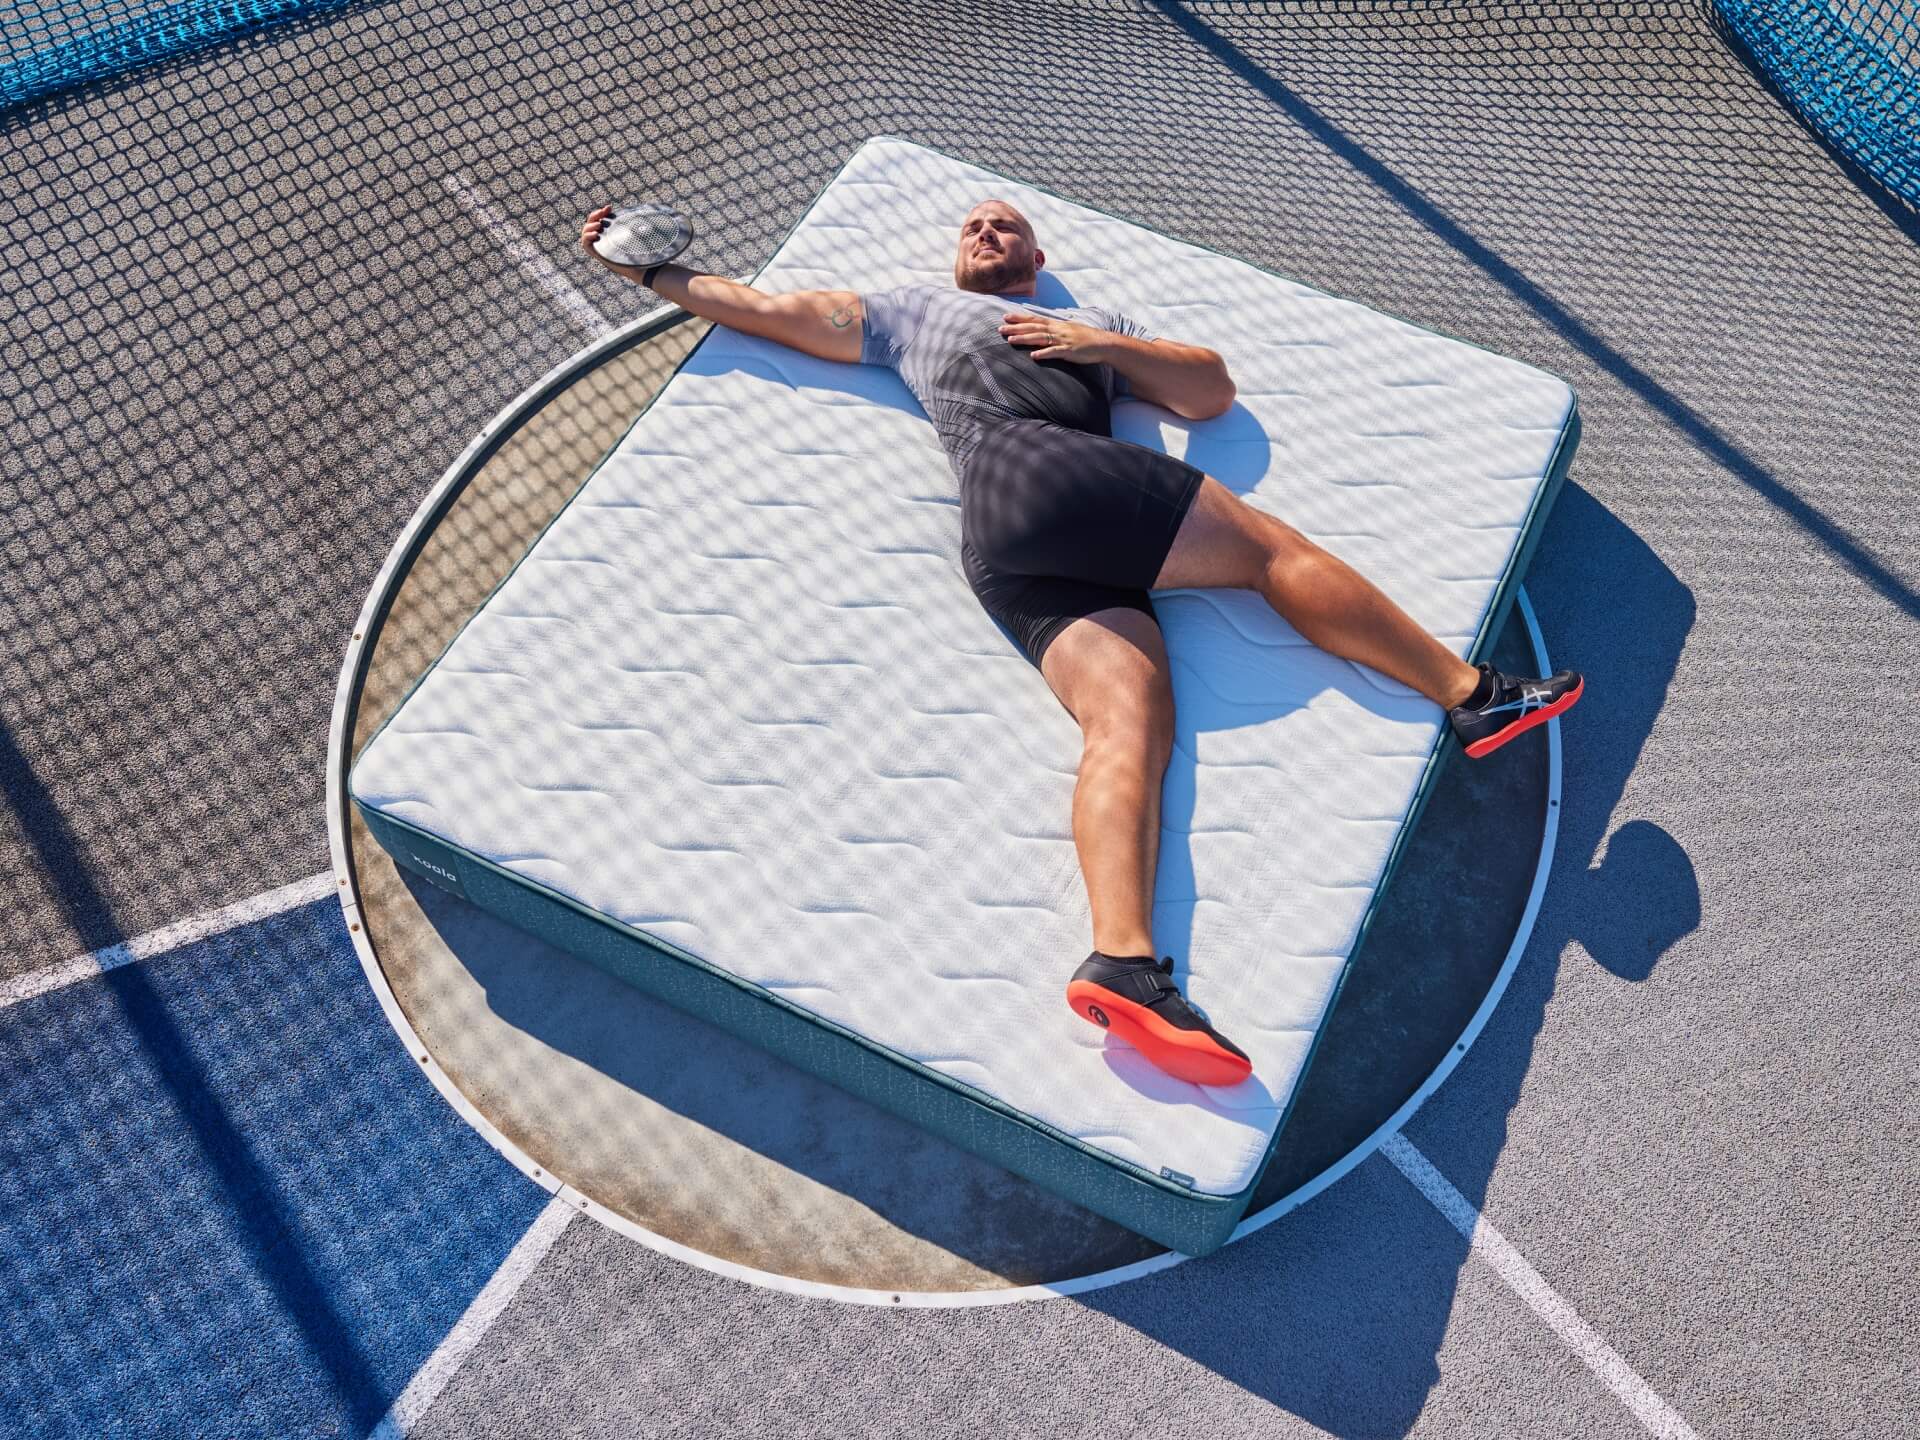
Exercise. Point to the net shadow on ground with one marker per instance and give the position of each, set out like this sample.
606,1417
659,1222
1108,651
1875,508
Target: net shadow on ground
1610,359
251,1197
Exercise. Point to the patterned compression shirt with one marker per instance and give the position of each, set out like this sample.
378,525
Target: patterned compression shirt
946,344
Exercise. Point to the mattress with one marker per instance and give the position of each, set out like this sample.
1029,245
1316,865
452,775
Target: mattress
736,728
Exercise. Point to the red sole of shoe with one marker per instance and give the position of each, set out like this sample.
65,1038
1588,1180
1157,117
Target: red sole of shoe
1520,727
1183,1054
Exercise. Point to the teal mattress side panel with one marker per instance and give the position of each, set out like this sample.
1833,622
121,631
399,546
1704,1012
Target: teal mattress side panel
1191,1223
1556,479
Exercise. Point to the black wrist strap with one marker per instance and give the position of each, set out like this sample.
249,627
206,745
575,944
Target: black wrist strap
646,276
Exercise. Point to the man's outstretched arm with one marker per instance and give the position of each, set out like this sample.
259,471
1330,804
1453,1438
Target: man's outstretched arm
825,323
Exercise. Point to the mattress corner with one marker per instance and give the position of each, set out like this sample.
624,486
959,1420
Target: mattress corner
366,766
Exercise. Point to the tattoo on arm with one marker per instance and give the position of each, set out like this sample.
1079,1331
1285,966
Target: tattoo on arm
842,318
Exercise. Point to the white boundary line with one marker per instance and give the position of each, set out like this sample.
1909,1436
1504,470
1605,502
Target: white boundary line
167,937
1490,1245
543,272
471,1328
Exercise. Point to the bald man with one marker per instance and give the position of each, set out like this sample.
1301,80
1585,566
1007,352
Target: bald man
1065,530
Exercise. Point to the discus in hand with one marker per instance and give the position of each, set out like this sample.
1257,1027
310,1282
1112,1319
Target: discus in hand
644,235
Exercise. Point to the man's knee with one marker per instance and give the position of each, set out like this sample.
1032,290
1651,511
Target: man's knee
1143,734
1110,671
1296,566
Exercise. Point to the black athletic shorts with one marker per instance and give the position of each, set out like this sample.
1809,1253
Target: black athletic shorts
1057,523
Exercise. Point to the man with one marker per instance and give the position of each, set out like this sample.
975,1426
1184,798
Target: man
1064,530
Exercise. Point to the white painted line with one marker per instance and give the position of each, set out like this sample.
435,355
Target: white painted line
543,272
471,1328
1490,1245
168,937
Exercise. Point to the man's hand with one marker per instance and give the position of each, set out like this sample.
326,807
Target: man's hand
590,232
1190,380
1056,339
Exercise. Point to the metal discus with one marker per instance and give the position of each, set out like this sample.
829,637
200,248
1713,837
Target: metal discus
644,235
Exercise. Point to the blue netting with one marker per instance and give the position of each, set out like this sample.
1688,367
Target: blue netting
46,45
1852,67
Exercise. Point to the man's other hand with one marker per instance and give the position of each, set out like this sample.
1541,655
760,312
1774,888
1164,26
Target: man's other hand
1055,339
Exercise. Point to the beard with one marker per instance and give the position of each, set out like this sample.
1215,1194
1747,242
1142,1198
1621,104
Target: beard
992,274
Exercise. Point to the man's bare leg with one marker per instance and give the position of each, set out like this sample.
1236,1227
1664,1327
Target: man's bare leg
1110,671
1225,542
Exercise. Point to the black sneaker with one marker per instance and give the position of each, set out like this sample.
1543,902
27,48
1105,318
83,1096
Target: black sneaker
1137,1000
1516,706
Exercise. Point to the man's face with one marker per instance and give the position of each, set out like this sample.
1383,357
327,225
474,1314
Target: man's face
996,252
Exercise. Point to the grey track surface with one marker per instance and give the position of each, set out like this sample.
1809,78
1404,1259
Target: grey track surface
1688,1113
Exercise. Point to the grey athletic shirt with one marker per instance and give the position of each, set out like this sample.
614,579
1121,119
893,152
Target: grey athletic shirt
946,344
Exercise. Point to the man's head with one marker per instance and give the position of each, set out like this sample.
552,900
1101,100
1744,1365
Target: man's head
997,251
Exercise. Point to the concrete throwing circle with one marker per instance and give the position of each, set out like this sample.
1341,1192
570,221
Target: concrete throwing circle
696,1144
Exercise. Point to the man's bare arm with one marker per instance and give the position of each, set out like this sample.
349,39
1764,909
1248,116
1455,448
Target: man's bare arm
1190,380
825,323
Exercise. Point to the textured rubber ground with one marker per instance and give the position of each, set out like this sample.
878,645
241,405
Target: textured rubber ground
208,453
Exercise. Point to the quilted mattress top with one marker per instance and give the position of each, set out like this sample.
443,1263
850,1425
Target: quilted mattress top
739,697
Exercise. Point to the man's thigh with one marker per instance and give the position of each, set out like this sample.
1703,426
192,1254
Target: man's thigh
1110,671
1223,542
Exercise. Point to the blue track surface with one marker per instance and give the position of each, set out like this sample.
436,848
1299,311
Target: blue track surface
231,1204
48,45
